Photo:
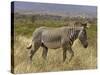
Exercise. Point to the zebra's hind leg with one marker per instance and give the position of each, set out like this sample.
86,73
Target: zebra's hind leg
34,50
45,51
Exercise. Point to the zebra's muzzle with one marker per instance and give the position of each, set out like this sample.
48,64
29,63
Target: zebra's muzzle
85,46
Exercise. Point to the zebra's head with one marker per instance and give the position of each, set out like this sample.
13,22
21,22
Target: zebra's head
83,35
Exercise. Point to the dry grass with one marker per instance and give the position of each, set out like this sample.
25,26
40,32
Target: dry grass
83,59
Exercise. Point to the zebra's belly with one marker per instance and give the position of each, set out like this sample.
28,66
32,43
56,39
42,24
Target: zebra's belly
52,45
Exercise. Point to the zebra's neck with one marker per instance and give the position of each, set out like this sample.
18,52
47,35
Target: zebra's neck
73,34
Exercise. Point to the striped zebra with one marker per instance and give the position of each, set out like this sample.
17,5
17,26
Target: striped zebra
61,37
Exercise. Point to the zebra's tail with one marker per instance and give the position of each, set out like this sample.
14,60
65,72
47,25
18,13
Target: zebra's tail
29,46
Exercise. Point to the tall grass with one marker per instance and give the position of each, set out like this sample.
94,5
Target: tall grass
83,59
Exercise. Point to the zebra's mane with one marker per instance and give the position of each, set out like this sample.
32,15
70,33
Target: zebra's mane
73,32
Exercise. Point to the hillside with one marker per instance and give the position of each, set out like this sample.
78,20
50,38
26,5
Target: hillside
55,9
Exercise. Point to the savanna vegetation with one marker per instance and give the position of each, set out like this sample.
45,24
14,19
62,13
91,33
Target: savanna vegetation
24,26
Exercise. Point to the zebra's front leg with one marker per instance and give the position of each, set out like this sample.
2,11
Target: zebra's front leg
64,54
72,53
45,51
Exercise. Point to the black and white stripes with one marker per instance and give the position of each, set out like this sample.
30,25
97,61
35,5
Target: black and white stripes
54,38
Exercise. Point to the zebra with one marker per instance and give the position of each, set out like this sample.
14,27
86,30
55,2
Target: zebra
61,37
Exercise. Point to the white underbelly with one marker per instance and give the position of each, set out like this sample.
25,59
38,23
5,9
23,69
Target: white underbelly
53,45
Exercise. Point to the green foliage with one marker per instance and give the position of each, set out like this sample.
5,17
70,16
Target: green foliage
27,28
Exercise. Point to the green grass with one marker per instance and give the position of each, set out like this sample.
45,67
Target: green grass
28,28
92,35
